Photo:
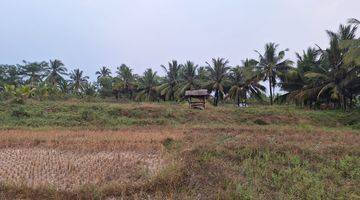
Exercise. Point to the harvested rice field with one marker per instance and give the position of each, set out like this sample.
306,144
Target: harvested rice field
68,161
70,170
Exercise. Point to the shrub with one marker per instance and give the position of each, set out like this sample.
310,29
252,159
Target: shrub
260,122
19,112
88,115
168,142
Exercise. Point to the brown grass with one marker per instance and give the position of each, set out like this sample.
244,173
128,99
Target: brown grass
198,162
68,161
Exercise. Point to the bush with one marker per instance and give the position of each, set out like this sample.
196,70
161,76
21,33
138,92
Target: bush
88,115
168,142
19,112
260,122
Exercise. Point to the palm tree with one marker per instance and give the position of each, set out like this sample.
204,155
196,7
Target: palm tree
294,81
217,76
103,72
245,82
272,64
345,32
171,82
78,81
352,46
322,76
250,64
55,72
188,78
125,81
202,75
147,86
33,71
237,80
12,75
64,86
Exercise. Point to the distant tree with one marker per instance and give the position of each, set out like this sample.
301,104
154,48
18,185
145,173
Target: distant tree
103,72
352,45
64,86
125,82
168,88
218,77
202,75
55,72
105,85
324,76
245,82
33,72
78,81
12,75
272,64
345,32
188,78
89,89
147,86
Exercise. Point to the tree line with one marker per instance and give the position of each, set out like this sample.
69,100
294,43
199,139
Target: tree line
320,77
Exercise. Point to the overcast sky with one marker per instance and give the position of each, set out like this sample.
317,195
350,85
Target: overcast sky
88,34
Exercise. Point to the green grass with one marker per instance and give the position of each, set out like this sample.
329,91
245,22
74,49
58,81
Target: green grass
109,116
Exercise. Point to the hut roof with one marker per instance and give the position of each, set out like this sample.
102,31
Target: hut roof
196,93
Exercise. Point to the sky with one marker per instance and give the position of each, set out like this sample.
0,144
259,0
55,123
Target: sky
88,34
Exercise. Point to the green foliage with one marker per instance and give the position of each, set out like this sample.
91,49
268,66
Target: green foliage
88,115
19,112
171,81
218,77
327,78
323,78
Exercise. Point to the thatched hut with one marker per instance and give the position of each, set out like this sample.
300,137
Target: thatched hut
197,98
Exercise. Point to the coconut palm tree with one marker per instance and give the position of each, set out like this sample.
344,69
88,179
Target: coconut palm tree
237,81
64,86
103,72
345,32
147,86
188,78
272,63
322,76
245,82
352,46
217,70
125,82
12,75
294,80
171,81
33,71
55,72
202,75
78,80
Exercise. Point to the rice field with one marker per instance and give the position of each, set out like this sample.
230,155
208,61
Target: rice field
69,161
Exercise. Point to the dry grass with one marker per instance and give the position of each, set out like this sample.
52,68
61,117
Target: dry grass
66,170
68,161
134,139
182,163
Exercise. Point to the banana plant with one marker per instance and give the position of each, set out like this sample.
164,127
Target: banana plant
20,94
